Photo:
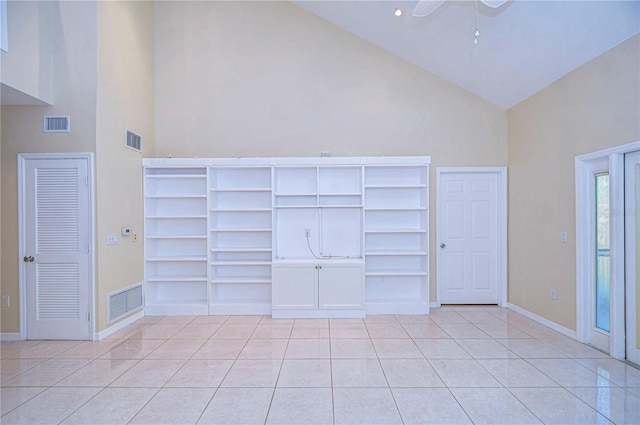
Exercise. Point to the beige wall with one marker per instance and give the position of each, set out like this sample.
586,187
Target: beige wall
104,80
270,79
73,33
27,65
594,107
125,100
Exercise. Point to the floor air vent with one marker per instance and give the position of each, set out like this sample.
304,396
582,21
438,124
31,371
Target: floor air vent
133,141
123,302
57,123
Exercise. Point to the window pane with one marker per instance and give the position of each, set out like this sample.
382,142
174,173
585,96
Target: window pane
603,268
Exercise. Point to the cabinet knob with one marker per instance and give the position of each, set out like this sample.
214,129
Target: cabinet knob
443,245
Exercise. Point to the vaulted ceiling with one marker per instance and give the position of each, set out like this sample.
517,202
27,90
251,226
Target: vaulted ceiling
523,46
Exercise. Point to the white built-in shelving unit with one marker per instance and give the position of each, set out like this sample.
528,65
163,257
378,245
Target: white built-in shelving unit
291,237
175,240
396,238
240,236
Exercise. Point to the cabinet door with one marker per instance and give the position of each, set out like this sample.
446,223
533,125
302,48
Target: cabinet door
294,287
341,287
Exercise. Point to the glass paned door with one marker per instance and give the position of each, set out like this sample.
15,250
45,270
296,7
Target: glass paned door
602,251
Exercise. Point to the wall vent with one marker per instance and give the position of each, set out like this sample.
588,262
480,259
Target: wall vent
133,141
57,123
124,301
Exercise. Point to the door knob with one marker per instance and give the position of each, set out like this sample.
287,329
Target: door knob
28,259
443,245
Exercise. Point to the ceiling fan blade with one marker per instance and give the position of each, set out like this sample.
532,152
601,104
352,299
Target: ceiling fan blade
494,4
425,7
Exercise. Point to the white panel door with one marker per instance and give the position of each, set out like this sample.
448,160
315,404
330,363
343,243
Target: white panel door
468,263
57,213
632,254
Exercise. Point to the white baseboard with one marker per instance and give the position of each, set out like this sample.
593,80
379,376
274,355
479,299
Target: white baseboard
434,304
129,320
10,336
546,322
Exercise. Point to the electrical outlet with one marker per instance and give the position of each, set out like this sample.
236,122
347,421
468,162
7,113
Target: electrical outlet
6,301
134,237
112,239
554,294
563,237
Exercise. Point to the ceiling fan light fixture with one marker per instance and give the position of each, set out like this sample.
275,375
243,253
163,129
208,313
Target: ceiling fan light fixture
494,4
425,7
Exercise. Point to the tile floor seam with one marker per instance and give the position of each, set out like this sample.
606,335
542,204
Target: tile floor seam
275,385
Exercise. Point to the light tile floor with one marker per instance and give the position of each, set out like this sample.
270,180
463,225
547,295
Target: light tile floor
457,365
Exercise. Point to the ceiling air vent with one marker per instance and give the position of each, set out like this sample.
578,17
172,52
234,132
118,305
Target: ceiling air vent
57,123
133,141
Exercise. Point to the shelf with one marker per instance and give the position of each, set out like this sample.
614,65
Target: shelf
396,231
177,279
176,176
241,279
241,301
167,259
241,230
295,194
175,196
399,252
240,209
242,189
170,217
395,208
240,263
396,273
240,249
293,207
177,237
394,186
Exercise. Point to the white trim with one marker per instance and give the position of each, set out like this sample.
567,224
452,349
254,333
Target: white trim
584,235
435,304
546,322
4,32
10,336
99,336
22,158
501,173
617,334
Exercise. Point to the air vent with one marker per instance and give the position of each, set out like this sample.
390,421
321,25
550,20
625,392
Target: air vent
57,124
133,141
120,303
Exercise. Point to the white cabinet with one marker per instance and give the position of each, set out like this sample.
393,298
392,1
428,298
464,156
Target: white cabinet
313,290
240,207
175,242
396,238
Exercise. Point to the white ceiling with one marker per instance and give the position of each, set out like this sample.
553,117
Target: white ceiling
524,45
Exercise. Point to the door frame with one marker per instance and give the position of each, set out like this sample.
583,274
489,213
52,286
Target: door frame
22,162
501,173
584,235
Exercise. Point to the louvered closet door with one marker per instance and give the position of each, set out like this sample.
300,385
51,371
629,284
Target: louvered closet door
57,237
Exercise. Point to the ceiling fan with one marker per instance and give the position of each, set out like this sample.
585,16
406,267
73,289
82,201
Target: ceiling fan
425,7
